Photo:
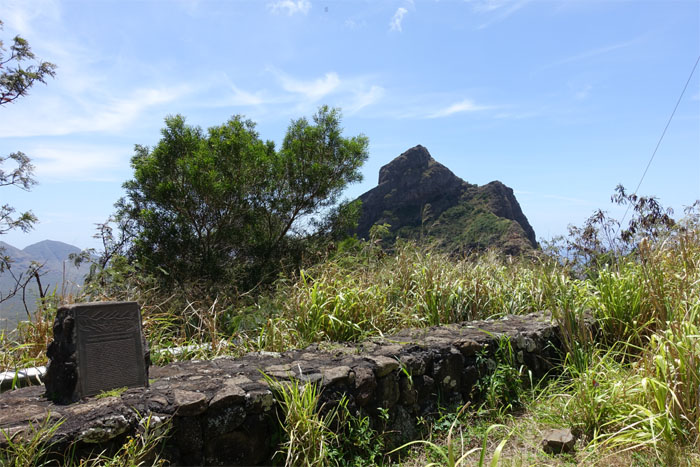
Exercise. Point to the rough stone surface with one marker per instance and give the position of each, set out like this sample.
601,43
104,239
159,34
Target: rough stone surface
421,198
558,441
96,347
223,413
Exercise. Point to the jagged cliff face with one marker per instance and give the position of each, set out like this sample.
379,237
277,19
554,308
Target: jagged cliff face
423,200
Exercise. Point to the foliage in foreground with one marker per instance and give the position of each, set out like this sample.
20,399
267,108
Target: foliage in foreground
316,434
450,455
363,292
633,388
34,448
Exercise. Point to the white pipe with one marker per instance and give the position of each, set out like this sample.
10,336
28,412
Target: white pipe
35,375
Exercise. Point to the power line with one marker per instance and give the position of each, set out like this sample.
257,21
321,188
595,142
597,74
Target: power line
662,137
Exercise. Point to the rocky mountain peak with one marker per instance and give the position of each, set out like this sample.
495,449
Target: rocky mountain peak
415,159
417,174
422,199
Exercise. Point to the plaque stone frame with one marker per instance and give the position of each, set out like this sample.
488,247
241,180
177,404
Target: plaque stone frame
97,347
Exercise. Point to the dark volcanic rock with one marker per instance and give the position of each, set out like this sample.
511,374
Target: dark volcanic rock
422,199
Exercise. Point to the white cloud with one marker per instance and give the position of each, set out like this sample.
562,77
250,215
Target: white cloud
352,24
395,24
582,202
219,91
498,10
593,53
290,7
79,162
244,98
365,98
466,105
352,93
18,15
84,97
486,6
66,114
310,90
119,113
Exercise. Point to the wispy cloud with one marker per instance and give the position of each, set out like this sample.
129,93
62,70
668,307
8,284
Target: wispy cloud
397,19
244,98
88,113
352,23
116,114
582,202
313,90
352,93
364,98
593,53
18,15
466,105
485,6
497,10
290,7
59,162
83,98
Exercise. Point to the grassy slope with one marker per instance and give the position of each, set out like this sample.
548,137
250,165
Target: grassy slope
468,226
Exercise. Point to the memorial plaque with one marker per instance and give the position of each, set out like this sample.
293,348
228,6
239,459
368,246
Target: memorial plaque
96,347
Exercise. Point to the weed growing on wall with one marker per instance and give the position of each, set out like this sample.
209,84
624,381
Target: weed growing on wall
502,386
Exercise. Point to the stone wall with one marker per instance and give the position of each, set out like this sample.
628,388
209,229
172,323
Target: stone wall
223,412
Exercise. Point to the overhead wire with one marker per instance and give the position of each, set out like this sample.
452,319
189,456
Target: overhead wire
668,123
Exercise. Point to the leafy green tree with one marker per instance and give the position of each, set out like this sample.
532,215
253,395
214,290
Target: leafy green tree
226,207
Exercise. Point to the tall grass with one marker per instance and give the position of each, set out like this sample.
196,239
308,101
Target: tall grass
31,447
639,388
453,454
34,447
342,300
26,345
308,430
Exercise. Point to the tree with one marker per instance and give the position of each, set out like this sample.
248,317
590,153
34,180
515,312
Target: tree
15,82
226,207
19,176
603,241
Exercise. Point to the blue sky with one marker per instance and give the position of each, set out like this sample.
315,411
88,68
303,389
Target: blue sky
560,100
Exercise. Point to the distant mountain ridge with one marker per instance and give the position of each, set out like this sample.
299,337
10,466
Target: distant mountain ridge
423,200
58,273
49,251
